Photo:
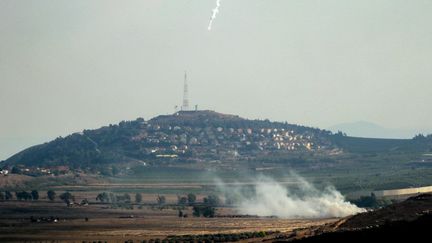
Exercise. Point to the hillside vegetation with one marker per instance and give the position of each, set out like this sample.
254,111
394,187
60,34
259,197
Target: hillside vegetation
200,136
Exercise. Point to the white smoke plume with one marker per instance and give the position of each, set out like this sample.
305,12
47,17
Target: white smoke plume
302,200
215,12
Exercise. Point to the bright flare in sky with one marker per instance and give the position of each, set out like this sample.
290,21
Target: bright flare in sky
215,12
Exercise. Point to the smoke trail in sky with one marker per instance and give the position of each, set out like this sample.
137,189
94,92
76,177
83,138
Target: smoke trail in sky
215,12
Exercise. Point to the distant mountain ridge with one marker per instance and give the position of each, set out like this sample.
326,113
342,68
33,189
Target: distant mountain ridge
371,130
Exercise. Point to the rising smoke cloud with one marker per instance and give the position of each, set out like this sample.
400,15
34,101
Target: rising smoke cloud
299,200
215,11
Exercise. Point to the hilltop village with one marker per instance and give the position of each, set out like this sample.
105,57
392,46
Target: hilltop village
182,136
207,134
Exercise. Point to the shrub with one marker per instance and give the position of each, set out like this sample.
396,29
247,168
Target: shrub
138,198
8,195
35,195
67,197
51,195
191,198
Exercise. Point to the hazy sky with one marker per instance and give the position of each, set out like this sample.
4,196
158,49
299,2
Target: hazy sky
70,65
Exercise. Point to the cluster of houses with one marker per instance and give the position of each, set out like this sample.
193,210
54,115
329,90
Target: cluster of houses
194,135
171,141
35,171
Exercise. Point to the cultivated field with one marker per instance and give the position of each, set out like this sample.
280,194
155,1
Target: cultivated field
119,225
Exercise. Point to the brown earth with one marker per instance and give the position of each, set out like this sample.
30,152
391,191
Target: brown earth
13,180
118,225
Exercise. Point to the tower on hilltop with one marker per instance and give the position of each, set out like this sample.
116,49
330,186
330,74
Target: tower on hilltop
185,105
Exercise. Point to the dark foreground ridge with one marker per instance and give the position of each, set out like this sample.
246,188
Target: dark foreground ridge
408,221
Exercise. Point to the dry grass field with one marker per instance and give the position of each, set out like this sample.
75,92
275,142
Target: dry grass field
119,225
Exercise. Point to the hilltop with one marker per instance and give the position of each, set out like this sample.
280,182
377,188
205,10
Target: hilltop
198,136
196,117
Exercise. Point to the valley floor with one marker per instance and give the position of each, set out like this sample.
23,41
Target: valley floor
119,225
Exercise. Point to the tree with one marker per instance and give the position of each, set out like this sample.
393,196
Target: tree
2,196
367,201
15,170
161,200
191,198
209,212
196,211
35,195
51,195
182,200
67,197
206,211
212,200
180,214
138,197
103,197
8,195
115,170
340,134
419,137
125,198
23,195
27,195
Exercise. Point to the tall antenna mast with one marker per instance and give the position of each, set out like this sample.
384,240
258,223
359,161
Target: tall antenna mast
185,105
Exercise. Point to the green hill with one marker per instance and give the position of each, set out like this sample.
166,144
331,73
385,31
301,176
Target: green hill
198,136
